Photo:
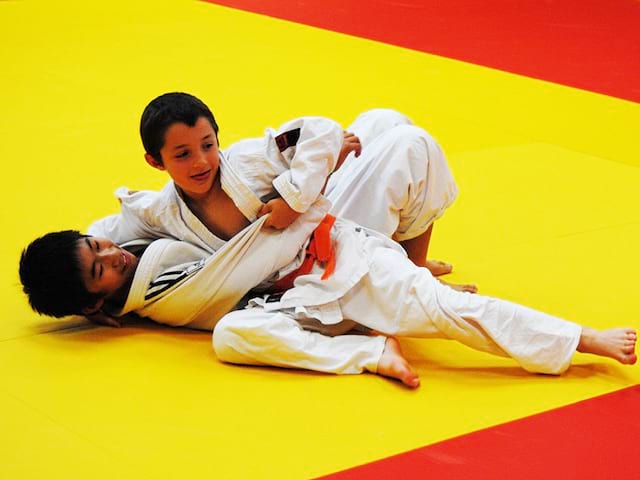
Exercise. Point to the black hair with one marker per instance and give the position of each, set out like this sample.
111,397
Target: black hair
50,275
164,111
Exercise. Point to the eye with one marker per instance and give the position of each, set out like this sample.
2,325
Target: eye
184,154
207,146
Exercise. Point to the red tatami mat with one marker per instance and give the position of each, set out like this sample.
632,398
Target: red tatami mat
588,44
595,439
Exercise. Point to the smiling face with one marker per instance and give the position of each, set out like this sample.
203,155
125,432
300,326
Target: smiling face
190,156
106,269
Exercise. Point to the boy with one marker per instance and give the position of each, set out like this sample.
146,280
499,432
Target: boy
373,287
400,184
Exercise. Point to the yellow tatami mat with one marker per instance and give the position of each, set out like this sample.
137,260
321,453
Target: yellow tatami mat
547,216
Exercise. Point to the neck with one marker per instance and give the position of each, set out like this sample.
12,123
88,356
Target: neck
217,211
116,301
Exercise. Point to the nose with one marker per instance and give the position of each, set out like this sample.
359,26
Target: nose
110,254
201,159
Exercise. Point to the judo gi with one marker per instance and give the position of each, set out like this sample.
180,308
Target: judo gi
374,287
180,284
377,287
400,183
401,178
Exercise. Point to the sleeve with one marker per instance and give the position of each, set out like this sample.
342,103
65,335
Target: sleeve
117,229
311,146
130,223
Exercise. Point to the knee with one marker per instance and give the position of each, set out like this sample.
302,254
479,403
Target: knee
420,148
412,142
384,118
224,335
372,124
410,134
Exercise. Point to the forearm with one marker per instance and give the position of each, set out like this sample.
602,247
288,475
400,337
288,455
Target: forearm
311,161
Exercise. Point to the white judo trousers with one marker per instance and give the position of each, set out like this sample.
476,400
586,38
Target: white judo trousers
401,182
394,297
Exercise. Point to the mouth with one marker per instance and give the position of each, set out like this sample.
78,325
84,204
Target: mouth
200,177
125,261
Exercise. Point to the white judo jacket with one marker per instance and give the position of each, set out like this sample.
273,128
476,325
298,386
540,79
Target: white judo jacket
179,284
295,160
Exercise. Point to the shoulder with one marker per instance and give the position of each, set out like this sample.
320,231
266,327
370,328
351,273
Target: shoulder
309,123
147,199
150,207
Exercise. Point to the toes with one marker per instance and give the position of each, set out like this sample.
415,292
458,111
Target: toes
411,381
470,288
438,267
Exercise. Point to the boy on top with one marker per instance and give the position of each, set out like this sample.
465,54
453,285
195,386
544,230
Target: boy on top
399,184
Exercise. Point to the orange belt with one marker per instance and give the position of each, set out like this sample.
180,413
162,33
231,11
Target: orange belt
319,249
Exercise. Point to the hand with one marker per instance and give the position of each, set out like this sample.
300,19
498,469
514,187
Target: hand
281,215
350,143
100,318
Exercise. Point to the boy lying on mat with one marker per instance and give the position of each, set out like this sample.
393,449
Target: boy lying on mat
354,280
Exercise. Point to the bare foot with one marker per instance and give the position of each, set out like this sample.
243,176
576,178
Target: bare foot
616,343
465,287
437,268
392,364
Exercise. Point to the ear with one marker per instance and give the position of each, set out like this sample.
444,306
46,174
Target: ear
153,162
95,308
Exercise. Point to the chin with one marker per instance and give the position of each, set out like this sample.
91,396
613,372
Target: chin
199,189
